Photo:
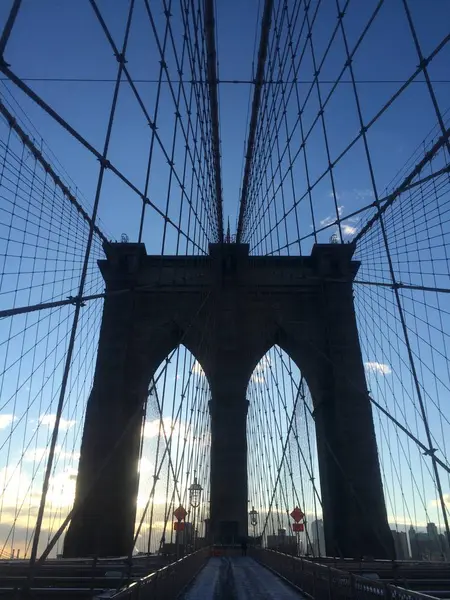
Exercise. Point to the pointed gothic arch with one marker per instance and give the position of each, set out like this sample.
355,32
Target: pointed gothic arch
229,309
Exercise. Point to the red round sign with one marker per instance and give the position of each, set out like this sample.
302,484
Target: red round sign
180,513
297,514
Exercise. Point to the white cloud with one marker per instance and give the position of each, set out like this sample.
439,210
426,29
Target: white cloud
261,368
151,428
62,488
21,496
38,454
197,368
64,424
17,486
437,503
337,195
331,218
363,194
145,466
405,521
6,420
348,230
327,221
13,485
377,368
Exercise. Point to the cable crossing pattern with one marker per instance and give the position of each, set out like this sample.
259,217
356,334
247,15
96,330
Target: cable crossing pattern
346,143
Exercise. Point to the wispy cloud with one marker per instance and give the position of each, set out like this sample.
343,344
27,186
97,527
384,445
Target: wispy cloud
405,522
50,420
331,218
261,368
348,230
6,420
17,485
197,368
332,195
145,466
38,454
377,368
437,502
152,428
62,488
348,227
363,193
12,486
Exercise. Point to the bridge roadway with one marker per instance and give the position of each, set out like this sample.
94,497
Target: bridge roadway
222,578
238,578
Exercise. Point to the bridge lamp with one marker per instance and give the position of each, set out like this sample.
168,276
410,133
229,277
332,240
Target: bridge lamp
253,519
195,492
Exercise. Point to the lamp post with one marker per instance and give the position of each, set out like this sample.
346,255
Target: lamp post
195,492
253,521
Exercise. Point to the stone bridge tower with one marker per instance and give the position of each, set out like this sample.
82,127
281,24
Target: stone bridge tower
228,309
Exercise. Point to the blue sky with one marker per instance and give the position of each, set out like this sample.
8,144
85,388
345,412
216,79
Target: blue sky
64,40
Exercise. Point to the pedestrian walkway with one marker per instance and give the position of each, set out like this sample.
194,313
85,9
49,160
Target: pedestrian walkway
238,578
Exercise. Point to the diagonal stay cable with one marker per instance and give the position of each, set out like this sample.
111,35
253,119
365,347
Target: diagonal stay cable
105,463
76,316
120,59
107,164
282,458
262,56
47,167
20,310
214,107
361,133
443,140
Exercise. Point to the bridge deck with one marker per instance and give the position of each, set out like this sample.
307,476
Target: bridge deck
238,578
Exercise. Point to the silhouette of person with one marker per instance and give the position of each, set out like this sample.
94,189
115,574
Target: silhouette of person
244,547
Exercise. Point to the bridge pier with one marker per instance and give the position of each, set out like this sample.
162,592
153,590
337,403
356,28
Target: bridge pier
228,482
354,511
107,483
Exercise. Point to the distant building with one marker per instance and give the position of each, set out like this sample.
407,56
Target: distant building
317,536
430,546
282,542
186,536
181,542
400,544
432,531
443,543
412,542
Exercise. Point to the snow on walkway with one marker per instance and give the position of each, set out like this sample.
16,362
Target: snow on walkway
207,581
239,578
251,580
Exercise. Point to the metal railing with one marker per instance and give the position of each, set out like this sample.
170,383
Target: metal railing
323,582
168,582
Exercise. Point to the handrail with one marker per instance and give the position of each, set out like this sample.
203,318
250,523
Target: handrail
323,582
167,582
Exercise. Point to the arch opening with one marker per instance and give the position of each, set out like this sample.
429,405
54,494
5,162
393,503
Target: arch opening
283,471
174,457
